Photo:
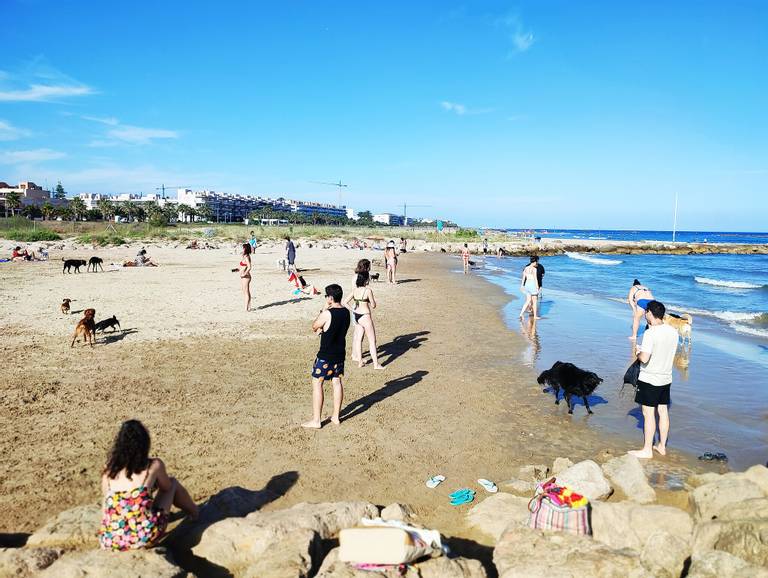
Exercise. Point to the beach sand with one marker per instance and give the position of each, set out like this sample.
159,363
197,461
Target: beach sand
223,391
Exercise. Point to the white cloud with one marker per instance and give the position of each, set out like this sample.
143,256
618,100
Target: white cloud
108,120
44,93
520,37
454,107
128,134
29,157
10,132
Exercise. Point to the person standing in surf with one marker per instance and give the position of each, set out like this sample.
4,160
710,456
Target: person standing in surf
529,285
638,298
465,258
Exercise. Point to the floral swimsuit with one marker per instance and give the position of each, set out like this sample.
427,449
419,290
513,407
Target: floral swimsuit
130,521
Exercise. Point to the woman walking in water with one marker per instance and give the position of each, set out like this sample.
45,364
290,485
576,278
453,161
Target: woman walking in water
638,298
390,257
364,304
245,274
132,518
529,285
465,258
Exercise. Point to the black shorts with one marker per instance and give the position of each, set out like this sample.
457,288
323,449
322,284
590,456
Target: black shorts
652,395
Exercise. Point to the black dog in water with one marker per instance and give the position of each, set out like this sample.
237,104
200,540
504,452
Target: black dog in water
572,380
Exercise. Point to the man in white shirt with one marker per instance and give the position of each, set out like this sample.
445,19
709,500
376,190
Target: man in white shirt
656,355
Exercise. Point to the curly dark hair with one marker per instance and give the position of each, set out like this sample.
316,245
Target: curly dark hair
363,265
130,452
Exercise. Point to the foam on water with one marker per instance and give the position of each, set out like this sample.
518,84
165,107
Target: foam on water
593,260
729,284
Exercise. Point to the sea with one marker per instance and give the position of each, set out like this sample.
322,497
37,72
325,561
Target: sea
720,388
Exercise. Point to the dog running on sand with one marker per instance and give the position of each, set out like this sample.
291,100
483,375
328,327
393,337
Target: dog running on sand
572,380
85,327
111,322
683,323
65,306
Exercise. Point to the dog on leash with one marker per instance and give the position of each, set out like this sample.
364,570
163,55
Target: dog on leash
682,323
65,306
572,380
85,327
70,263
111,322
93,262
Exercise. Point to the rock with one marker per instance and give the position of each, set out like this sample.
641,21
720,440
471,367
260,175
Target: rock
73,528
664,554
441,567
630,525
151,563
519,487
587,479
535,473
560,464
741,530
627,474
759,475
237,543
291,556
398,512
716,564
714,498
700,479
524,552
494,514
23,562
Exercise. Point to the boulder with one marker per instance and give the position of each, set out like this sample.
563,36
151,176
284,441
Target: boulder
741,530
398,512
587,479
560,464
716,564
759,475
627,474
441,567
24,562
523,487
75,528
524,552
151,563
713,499
237,543
664,554
630,525
534,473
494,514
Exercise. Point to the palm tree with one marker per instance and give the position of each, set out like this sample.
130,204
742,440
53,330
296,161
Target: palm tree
47,210
184,211
77,205
107,208
12,202
204,212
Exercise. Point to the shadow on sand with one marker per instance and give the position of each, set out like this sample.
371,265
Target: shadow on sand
390,388
399,345
286,302
114,337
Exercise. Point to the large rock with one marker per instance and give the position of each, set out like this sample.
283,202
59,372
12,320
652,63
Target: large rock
664,554
75,528
24,562
522,487
741,530
716,564
441,567
759,475
715,498
560,464
523,552
587,479
627,474
397,511
237,543
100,563
494,514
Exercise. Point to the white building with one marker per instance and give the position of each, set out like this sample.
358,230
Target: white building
352,215
389,219
91,200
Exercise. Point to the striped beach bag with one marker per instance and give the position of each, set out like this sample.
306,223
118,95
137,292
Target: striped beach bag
556,507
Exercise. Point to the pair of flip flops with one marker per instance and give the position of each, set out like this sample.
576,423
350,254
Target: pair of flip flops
462,496
435,481
713,457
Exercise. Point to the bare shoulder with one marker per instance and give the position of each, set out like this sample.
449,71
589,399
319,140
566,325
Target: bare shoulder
156,465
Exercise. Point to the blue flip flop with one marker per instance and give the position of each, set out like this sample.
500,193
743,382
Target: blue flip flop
461,492
463,499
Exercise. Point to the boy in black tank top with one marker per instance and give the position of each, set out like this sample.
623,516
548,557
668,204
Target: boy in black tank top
332,325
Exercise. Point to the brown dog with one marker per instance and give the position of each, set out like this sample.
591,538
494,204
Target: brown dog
65,306
683,323
86,326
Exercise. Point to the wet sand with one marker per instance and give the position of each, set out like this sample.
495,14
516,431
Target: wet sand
223,391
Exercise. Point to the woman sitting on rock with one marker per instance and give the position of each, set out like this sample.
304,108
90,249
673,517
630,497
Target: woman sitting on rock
132,518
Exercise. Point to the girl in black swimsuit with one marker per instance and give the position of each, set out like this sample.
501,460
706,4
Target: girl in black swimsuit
364,303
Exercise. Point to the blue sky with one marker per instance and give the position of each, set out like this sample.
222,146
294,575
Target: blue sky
527,114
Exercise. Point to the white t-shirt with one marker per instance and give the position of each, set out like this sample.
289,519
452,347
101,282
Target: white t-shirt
661,342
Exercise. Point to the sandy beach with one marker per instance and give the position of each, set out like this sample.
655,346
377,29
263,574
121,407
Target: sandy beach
223,391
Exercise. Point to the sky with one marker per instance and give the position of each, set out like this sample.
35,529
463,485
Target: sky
545,114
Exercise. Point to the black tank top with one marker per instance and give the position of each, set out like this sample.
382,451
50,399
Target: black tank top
333,342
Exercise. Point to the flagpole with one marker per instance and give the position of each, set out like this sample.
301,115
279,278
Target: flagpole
674,224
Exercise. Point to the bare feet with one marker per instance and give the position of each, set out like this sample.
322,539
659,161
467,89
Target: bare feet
661,449
335,421
632,338
312,425
537,317
642,454
378,367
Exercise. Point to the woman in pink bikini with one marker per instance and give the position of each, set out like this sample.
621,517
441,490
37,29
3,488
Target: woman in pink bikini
132,518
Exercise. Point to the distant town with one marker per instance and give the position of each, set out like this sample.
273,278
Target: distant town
34,202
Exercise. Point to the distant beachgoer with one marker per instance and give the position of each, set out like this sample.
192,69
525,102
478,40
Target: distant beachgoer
244,268
18,255
253,242
132,518
403,245
501,252
141,260
290,254
390,258
529,285
332,324
465,258
656,355
365,303
539,273
638,298
485,246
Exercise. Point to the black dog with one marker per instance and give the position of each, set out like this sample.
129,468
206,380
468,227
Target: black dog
572,380
374,276
69,263
111,322
93,262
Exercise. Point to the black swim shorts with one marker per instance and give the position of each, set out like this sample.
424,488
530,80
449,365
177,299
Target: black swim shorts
652,395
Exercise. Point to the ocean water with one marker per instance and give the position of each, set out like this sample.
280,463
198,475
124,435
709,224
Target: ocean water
720,389
620,235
